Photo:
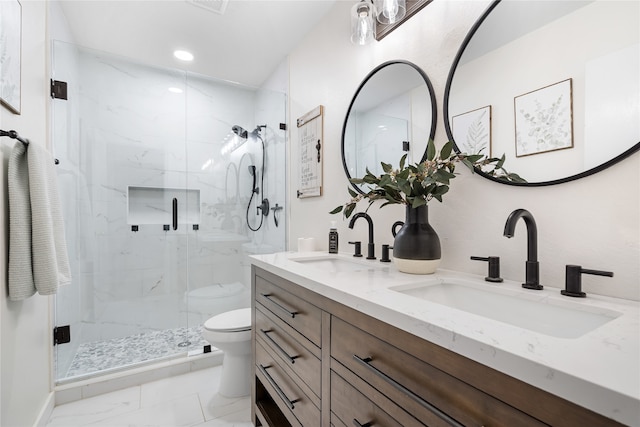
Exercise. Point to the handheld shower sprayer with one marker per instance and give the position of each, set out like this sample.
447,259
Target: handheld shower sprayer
252,171
264,205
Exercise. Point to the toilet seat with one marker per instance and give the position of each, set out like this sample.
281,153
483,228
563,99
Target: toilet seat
230,321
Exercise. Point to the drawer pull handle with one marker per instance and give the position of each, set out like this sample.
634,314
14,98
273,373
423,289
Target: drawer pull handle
291,359
280,306
437,412
357,424
283,396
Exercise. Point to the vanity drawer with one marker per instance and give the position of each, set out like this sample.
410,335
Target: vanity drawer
296,312
285,342
424,391
296,406
350,407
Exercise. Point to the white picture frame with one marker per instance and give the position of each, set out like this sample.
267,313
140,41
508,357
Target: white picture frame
544,119
10,54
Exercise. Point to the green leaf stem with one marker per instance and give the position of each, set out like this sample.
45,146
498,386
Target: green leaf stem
415,185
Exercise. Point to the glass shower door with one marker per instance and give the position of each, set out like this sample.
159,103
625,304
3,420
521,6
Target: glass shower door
220,163
120,139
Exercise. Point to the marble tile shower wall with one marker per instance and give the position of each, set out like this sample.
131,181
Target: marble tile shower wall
269,109
132,131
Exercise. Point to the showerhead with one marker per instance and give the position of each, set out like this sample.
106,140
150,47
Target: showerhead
238,130
252,170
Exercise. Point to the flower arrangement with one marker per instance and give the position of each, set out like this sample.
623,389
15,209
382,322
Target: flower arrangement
415,185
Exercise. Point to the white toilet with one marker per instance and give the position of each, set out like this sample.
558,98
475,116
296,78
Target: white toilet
231,333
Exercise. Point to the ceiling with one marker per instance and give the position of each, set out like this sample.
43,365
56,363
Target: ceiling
245,44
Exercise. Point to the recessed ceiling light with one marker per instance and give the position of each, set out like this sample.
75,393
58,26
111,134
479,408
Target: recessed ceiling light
175,90
183,55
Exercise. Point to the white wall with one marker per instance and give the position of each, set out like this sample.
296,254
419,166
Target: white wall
593,222
25,331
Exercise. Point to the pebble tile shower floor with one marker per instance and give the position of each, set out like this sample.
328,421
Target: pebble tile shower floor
103,355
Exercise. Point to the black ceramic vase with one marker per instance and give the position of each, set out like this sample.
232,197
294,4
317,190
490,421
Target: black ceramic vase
416,248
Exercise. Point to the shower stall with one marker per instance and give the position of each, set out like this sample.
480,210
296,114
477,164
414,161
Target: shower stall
159,205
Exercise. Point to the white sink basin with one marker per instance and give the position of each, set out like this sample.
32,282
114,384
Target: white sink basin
538,312
339,264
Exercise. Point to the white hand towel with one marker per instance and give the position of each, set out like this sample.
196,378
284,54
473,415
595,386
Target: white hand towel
21,284
37,247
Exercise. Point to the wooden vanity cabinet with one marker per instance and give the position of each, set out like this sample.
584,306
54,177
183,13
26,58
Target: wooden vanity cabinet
320,363
287,352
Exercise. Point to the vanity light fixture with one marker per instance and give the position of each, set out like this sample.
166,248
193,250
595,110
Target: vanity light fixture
377,18
183,55
390,11
363,26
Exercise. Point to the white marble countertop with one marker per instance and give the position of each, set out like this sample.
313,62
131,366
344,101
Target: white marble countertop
599,370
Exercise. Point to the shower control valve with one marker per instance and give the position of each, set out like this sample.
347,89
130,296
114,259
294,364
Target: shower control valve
264,207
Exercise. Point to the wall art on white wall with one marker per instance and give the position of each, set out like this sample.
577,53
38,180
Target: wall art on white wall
10,41
472,131
544,119
311,142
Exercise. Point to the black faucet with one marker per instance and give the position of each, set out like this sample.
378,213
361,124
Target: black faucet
371,248
532,265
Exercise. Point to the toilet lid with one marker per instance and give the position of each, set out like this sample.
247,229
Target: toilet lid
219,290
230,321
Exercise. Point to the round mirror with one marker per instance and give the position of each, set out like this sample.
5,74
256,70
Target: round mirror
550,85
392,113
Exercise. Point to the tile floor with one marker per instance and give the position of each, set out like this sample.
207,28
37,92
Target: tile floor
185,400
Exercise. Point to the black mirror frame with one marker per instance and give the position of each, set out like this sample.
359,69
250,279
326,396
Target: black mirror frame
447,126
434,110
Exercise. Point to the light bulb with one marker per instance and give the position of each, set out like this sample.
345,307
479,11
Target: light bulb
390,10
362,28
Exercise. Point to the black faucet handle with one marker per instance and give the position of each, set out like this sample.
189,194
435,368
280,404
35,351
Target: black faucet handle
494,268
573,280
385,253
358,248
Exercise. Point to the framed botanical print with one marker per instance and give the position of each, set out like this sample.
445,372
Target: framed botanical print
544,119
472,131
